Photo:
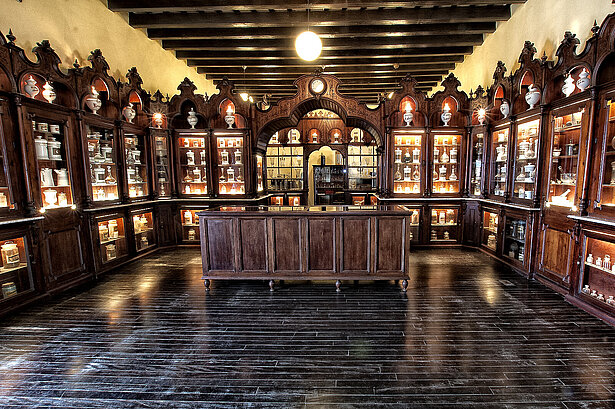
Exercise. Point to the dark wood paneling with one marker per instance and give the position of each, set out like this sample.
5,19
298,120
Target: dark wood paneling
355,242
253,235
221,239
555,254
287,244
64,253
390,244
321,244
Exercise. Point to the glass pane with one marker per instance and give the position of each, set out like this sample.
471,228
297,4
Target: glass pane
143,224
284,168
446,164
136,167
190,224
607,198
103,168
514,239
563,172
51,159
407,158
162,166
490,230
362,171
112,239
526,154
15,277
499,161
443,224
477,164
598,276
193,164
230,165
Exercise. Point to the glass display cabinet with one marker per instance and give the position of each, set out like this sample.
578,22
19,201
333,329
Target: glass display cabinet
192,162
362,167
564,160
284,168
190,224
490,230
597,275
112,239
408,162
15,273
52,163
6,192
260,183
162,165
526,156
230,158
143,228
446,167
476,171
136,165
499,162
102,163
514,239
444,225
415,224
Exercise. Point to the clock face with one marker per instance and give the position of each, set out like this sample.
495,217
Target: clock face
317,86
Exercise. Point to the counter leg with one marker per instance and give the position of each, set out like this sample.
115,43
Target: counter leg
338,284
271,285
404,285
207,284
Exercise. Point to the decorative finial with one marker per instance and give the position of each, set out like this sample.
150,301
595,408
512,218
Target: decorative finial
76,64
595,28
10,36
544,57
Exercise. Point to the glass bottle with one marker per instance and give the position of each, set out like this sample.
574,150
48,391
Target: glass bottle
225,157
397,155
110,180
416,155
407,173
398,173
407,156
416,175
238,156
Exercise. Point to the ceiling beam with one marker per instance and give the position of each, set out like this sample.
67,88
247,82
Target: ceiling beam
368,79
329,44
417,15
226,62
156,6
238,33
405,69
450,50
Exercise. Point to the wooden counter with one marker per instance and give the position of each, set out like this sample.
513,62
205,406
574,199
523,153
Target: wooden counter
332,242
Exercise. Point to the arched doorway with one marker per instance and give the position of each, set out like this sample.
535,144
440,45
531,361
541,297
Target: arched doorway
319,161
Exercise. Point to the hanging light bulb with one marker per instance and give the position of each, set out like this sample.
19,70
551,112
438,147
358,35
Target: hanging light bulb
308,44
244,94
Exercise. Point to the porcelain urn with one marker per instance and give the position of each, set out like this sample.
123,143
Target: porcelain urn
408,115
446,115
568,87
229,118
583,81
48,93
193,120
92,101
505,108
129,112
31,88
532,97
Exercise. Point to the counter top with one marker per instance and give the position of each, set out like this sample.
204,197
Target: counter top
312,210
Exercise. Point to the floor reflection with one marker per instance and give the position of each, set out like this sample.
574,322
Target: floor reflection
468,333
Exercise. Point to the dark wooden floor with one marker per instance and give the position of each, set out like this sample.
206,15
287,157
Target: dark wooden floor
468,334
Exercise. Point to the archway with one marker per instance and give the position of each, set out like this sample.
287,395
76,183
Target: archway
323,156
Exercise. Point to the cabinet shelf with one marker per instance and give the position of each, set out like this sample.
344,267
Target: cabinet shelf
518,240
144,231
21,266
102,243
563,129
604,270
567,156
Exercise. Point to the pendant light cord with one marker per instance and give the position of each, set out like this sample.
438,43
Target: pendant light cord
308,15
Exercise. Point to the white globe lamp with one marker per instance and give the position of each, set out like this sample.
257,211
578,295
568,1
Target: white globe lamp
308,45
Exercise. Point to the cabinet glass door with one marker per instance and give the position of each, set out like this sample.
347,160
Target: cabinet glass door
598,273
607,197
564,159
407,159
136,165
514,239
526,154
193,163
143,225
163,171
52,163
443,225
284,168
230,165
362,167
490,230
476,176
15,275
446,163
499,162
112,239
102,163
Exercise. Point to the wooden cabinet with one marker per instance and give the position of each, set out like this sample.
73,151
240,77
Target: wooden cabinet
192,158
230,155
524,175
163,173
477,160
102,173
447,172
498,162
408,162
597,276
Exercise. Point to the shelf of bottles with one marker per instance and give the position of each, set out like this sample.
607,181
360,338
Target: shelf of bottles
514,239
193,163
102,163
564,158
143,225
490,230
52,164
607,197
407,158
362,167
15,274
499,162
112,239
136,168
443,225
260,184
190,225
230,165
415,225
476,179
526,154
446,163
284,167
598,274
163,170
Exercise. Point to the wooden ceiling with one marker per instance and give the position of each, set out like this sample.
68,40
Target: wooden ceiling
370,44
